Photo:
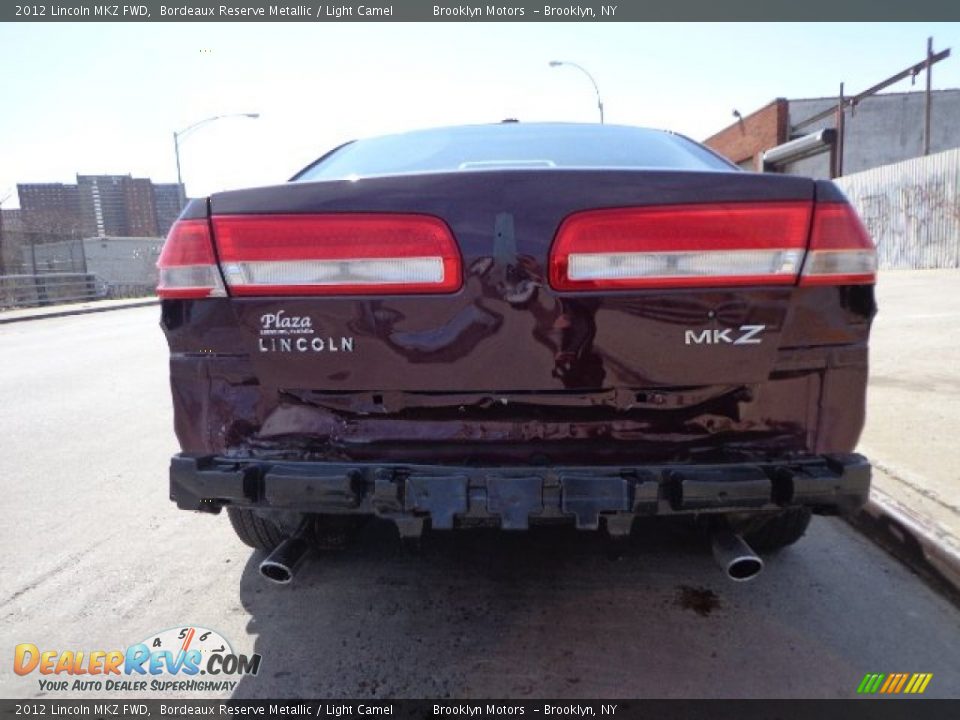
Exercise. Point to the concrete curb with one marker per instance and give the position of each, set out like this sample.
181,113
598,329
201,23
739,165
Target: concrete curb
80,309
922,545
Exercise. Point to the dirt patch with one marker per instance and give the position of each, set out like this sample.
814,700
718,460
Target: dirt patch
701,600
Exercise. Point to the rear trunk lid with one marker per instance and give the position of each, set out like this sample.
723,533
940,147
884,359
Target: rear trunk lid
504,327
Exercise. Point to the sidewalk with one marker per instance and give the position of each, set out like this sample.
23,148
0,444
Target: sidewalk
80,308
913,415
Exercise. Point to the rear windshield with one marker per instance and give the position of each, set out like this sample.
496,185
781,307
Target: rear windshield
513,146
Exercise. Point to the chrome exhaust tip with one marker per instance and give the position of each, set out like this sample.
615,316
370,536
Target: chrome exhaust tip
735,557
282,564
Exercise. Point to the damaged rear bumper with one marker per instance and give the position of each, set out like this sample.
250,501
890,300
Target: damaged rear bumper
514,497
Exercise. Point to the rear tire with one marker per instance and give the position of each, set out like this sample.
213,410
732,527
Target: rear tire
778,531
254,530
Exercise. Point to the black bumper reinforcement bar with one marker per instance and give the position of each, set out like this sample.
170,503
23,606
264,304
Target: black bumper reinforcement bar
513,496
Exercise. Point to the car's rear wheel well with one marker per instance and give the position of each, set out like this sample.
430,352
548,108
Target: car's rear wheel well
767,533
253,530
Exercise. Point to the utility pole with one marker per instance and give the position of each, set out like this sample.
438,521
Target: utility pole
928,99
838,152
910,72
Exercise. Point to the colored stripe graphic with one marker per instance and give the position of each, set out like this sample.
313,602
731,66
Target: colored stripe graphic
870,683
918,683
894,683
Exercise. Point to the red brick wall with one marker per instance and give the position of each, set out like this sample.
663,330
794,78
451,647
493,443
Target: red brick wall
141,208
747,139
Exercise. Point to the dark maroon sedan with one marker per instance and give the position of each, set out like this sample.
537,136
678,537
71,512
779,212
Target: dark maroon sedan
520,323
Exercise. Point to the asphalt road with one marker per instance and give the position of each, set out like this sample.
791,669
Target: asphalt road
96,558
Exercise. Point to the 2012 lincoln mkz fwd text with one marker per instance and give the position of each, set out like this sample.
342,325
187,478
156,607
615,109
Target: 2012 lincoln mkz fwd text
513,324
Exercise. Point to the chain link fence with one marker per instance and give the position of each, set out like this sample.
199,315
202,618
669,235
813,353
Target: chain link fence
17,291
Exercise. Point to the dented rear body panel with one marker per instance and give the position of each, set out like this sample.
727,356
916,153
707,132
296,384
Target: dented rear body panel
508,377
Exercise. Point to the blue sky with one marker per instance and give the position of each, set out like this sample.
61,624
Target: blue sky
105,98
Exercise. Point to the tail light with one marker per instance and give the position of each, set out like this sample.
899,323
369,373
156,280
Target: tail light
709,245
187,264
337,254
841,251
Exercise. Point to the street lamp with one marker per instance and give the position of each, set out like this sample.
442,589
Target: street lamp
558,63
179,134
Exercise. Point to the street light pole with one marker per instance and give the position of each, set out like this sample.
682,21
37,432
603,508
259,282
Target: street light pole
176,146
181,199
558,63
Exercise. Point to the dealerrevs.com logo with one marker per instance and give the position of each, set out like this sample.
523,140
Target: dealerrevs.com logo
175,660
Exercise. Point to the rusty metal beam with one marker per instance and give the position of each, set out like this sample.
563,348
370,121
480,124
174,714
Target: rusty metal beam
911,71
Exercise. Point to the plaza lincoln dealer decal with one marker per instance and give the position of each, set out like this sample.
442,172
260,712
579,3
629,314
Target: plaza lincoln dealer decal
169,661
280,332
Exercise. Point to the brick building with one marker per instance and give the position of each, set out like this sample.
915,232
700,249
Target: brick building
141,207
880,130
52,208
745,140
103,204
100,206
166,198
